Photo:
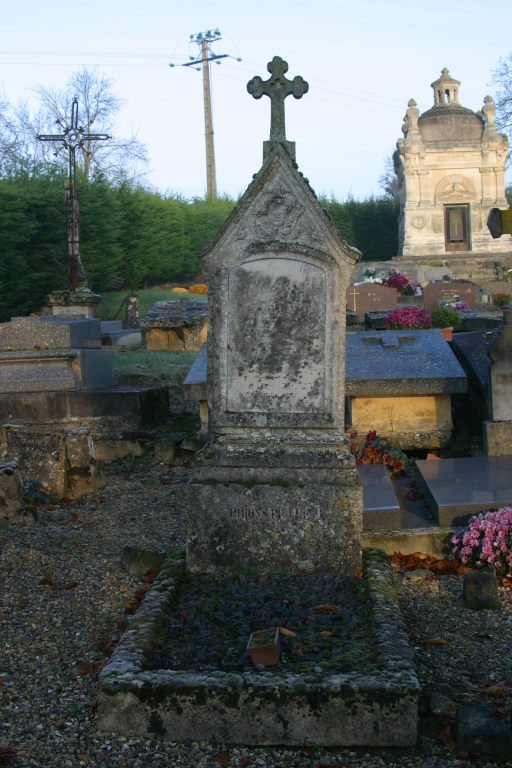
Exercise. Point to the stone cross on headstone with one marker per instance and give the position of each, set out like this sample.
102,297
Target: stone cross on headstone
277,88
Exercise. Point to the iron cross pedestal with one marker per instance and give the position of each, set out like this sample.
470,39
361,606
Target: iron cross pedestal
277,88
73,137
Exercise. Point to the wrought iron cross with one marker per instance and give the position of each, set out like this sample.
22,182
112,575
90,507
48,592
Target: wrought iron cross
73,137
277,88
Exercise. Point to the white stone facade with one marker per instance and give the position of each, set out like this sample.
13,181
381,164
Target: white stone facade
450,167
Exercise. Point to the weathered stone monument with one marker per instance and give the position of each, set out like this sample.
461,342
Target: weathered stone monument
276,488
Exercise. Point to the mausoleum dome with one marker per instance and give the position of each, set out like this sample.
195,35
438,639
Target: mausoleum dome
448,120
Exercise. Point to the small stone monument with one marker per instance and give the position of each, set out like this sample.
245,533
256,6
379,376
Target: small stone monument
498,432
275,489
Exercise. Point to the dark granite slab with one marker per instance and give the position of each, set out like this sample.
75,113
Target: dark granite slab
401,362
381,511
461,488
194,386
472,351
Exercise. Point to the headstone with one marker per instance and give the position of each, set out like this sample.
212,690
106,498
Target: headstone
481,589
65,460
369,297
464,487
276,491
77,304
176,326
381,510
132,311
433,293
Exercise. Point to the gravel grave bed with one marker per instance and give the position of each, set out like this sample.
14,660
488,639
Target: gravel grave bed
327,618
54,641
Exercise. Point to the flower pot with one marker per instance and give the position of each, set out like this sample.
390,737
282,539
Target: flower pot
447,332
267,654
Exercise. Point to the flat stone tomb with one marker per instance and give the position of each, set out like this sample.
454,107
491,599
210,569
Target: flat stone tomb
354,685
464,487
381,510
370,297
176,326
433,293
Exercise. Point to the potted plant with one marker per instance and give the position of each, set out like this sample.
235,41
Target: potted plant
408,318
500,299
265,646
396,280
445,318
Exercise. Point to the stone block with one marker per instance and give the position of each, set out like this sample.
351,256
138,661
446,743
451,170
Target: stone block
136,562
65,460
165,447
111,326
481,589
371,297
273,526
176,326
47,331
498,438
478,730
81,303
11,495
50,371
111,449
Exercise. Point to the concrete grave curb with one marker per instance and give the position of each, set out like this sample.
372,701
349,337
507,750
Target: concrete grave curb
378,708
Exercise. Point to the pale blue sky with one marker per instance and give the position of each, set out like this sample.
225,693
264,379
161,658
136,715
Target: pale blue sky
363,59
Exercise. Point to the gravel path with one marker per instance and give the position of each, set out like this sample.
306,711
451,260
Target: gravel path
52,639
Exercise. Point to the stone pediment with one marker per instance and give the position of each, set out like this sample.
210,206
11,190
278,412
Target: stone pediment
279,210
455,189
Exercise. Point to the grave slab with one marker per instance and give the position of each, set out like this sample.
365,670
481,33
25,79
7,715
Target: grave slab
371,707
381,510
370,297
461,488
54,370
47,331
433,293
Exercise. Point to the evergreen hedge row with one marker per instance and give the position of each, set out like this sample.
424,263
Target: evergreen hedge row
147,237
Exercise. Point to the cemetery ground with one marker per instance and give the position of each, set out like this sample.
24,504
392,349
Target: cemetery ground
64,606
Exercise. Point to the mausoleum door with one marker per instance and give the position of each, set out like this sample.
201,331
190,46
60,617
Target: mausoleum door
456,227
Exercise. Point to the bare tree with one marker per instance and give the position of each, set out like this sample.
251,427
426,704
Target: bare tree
502,77
118,158
388,181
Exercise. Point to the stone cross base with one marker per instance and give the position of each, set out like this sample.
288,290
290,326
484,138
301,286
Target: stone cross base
73,303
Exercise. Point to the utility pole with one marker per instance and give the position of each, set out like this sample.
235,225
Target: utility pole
206,55
211,181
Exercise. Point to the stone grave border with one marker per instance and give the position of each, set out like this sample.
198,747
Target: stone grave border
378,708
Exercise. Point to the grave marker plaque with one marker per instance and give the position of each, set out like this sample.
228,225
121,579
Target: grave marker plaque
369,297
435,292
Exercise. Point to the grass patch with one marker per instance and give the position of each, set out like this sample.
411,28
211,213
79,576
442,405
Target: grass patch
110,302
151,368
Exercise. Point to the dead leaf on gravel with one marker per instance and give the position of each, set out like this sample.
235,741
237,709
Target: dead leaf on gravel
329,765
84,758
496,690
86,668
47,582
297,650
435,641
93,704
445,735
69,585
309,751
357,575
325,634
245,761
7,753
287,632
222,760
326,608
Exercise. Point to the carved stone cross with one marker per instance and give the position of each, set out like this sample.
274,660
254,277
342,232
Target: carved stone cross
277,88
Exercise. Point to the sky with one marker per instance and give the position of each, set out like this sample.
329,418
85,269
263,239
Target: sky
363,59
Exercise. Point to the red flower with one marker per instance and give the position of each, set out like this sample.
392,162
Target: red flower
353,447
378,450
387,459
365,460
353,435
359,460
371,436
370,451
398,465
37,346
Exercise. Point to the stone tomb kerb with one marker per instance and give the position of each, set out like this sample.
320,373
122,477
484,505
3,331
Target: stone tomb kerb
276,489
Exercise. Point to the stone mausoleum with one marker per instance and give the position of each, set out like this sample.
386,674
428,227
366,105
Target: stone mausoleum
450,167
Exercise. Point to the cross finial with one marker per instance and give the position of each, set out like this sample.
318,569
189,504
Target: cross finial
277,88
